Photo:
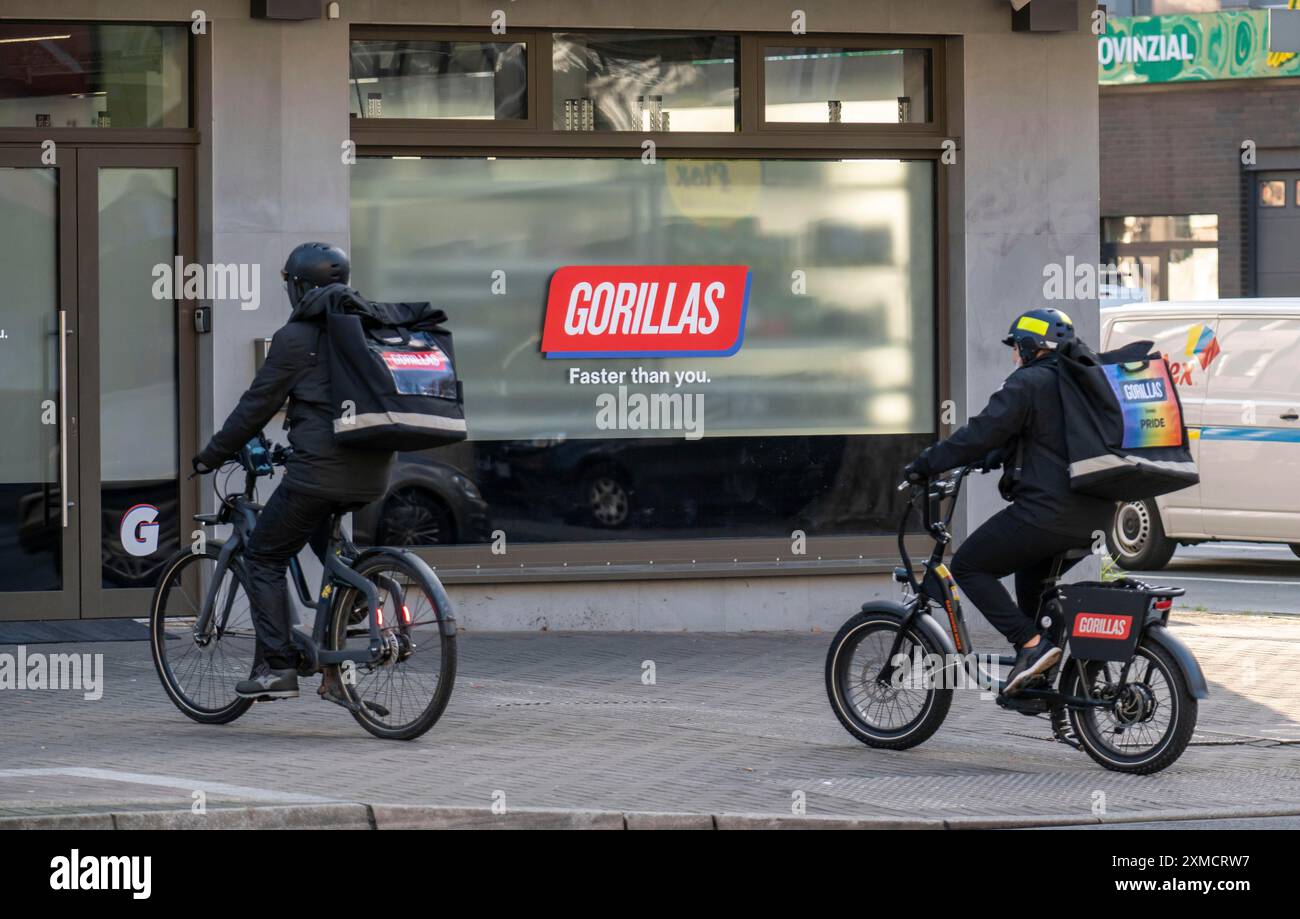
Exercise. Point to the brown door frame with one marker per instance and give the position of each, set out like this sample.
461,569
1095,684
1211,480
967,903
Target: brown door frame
96,602
62,603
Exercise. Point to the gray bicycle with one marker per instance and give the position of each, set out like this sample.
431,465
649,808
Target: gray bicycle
384,636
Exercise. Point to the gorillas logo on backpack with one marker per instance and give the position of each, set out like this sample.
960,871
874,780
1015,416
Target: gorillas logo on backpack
646,311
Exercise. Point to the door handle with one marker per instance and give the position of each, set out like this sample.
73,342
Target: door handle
1290,416
64,504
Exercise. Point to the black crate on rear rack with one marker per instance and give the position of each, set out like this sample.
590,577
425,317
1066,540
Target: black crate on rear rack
1104,621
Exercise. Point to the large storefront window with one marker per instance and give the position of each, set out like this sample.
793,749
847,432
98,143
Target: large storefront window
804,427
71,75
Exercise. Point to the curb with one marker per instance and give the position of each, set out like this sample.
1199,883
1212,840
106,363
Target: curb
435,817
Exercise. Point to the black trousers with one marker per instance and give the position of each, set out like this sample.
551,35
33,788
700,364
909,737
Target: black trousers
289,521
1005,545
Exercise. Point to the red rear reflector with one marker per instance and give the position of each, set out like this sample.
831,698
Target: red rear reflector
379,616
1164,604
406,614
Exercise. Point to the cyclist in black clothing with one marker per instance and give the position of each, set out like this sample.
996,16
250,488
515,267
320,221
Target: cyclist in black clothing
1022,428
321,477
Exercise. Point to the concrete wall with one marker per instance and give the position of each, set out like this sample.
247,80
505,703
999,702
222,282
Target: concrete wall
1024,193
1028,197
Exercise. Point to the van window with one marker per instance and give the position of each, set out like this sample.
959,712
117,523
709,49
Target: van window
1259,360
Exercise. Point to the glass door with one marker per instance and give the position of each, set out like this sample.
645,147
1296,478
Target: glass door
39,455
134,222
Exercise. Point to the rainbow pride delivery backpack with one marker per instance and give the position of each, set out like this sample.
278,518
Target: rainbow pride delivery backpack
1124,428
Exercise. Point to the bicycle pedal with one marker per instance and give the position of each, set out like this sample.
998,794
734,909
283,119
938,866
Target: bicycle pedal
271,698
351,706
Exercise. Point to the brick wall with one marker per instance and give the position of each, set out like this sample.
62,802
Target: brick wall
1178,151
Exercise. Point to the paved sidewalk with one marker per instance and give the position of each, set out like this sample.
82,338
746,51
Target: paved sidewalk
735,724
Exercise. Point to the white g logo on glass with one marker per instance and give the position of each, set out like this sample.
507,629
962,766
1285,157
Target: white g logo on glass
139,530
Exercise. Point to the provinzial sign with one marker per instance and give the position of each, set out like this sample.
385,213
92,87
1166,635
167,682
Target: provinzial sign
1227,45
614,311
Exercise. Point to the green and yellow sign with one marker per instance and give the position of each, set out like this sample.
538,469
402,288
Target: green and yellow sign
1228,45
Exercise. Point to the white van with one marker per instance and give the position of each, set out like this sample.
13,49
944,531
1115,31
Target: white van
1237,367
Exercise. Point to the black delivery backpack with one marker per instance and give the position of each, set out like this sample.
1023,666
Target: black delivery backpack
392,375
1124,429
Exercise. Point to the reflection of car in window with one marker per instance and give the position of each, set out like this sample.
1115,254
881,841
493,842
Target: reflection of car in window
609,484
429,502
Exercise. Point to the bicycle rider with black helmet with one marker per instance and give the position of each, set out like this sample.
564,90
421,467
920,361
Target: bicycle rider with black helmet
321,477
1022,429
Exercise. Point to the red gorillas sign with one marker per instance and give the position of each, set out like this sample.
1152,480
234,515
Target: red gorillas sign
415,360
1102,625
646,311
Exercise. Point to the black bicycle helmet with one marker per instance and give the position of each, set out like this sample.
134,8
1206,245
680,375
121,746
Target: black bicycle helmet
1038,329
313,265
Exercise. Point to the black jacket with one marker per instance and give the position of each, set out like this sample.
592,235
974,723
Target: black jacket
297,368
1026,414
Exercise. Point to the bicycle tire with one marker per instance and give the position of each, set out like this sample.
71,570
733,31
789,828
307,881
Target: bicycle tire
440,623
1173,742
839,660
173,572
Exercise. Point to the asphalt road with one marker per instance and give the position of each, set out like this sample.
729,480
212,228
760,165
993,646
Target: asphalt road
1234,577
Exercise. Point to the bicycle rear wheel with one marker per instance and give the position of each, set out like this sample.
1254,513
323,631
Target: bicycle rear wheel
404,694
199,672
1152,716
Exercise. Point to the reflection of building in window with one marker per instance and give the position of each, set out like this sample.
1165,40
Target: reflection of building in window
1272,193
481,81
845,85
1174,257
643,82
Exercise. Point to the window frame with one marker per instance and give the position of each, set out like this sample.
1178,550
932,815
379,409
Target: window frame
1158,249
691,557
391,33
121,135
929,128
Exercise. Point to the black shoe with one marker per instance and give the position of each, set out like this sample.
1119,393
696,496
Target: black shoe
269,683
1031,663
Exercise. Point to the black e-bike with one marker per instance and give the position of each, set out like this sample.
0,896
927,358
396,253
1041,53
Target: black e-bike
1125,690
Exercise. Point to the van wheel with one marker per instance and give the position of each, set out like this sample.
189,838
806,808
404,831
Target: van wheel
1137,538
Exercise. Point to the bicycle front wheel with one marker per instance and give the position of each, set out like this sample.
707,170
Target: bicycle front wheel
403,694
880,711
199,671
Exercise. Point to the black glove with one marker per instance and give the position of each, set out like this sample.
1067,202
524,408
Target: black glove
915,471
200,467
994,460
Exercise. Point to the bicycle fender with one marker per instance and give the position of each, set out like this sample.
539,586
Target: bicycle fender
447,623
920,619
1160,635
